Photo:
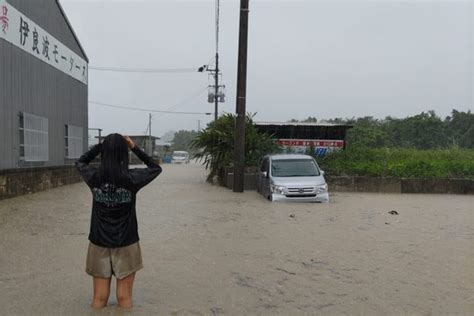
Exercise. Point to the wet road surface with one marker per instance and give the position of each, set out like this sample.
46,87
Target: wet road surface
208,251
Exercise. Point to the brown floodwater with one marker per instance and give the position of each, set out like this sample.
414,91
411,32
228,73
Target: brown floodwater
208,251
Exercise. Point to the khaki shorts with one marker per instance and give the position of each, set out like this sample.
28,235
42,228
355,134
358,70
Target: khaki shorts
104,262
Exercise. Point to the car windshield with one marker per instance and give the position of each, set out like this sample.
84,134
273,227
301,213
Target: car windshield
180,155
294,168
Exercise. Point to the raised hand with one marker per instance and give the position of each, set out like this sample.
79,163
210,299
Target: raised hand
129,141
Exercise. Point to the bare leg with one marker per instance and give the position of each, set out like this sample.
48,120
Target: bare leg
101,292
124,291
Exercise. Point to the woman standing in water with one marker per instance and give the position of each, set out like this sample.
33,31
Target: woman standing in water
114,247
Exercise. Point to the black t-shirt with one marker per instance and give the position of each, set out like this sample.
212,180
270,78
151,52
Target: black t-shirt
114,218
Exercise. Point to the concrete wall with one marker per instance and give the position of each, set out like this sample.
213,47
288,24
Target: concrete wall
403,185
250,181
25,181
30,85
380,185
364,184
226,178
454,186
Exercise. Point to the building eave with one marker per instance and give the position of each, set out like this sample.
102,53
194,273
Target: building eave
72,30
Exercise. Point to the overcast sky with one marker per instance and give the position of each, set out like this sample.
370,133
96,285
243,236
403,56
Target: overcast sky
306,58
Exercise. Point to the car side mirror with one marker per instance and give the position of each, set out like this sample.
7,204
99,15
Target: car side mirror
322,172
264,174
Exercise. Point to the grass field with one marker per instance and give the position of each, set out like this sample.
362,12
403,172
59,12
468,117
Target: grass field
411,163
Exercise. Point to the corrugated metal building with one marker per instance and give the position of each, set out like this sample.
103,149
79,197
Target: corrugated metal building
43,86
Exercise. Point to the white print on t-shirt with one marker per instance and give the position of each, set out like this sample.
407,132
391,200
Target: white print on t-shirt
111,195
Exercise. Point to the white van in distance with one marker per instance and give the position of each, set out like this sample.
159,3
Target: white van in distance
180,157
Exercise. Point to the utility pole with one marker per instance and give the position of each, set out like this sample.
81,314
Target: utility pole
239,142
216,79
150,148
216,93
100,132
199,125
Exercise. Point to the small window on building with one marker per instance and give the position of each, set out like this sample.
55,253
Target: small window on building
33,137
74,141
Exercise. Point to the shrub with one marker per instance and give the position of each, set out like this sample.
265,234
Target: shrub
215,144
409,163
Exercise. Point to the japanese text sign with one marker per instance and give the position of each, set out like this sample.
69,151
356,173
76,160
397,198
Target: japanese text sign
22,32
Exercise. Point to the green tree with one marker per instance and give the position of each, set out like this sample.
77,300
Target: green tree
182,140
422,131
215,144
367,132
310,119
460,127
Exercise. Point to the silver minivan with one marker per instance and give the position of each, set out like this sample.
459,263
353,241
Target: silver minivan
292,177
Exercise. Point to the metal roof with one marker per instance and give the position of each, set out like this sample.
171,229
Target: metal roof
301,124
143,136
134,136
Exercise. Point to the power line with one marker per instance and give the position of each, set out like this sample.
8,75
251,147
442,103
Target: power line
190,98
168,109
146,110
210,61
145,70
147,127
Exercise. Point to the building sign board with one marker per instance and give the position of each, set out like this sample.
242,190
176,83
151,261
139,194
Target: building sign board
321,146
312,142
22,32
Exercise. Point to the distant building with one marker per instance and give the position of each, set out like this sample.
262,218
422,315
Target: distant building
143,141
43,86
298,137
163,148
152,148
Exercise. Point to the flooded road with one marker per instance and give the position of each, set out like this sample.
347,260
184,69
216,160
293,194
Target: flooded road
208,251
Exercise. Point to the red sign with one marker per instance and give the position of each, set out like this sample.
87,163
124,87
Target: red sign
311,142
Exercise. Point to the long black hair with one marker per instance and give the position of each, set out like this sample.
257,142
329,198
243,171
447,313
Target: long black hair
114,162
